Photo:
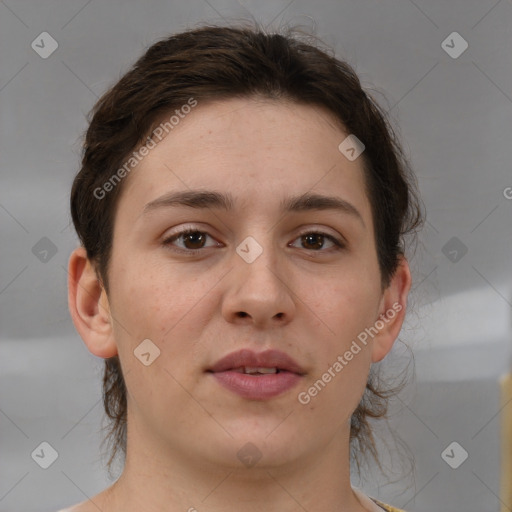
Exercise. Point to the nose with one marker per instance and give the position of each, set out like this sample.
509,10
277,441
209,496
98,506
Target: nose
259,292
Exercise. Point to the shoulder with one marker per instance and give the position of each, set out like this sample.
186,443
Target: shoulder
101,502
79,507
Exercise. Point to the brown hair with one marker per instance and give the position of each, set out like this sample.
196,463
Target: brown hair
215,63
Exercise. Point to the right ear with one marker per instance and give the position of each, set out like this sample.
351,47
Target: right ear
89,306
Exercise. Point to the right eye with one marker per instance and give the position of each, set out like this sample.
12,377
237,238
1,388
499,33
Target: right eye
189,236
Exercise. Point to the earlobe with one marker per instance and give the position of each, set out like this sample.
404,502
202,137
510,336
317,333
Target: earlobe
89,307
392,310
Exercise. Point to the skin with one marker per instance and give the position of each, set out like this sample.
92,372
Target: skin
299,296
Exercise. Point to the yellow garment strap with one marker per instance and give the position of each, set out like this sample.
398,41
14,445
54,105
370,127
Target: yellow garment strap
506,440
389,508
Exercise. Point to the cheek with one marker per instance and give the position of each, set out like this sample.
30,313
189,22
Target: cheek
344,349
350,306
333,394
152,307
140,291
161,305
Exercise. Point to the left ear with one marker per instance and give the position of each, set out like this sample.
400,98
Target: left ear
392,310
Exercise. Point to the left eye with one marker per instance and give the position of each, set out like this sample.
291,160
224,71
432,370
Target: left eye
317,238
197,239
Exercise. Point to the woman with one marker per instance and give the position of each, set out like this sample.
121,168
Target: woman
241,208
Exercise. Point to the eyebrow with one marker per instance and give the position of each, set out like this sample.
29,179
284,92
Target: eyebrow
211,199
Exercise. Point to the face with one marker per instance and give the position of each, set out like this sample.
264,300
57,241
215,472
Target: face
259,273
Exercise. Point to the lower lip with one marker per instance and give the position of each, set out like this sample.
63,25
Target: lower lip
257,387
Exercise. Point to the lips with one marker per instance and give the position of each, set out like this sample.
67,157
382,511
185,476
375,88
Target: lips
257,376
249,359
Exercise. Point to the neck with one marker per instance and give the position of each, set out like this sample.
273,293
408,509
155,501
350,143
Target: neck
154,480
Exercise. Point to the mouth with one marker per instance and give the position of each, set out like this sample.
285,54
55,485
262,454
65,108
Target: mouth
256,371
257,376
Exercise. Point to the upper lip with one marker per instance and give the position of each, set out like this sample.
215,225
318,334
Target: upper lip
266,359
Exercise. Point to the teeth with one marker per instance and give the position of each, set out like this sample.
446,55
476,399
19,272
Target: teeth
248,369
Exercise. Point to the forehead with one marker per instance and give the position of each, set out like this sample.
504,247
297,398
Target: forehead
260,151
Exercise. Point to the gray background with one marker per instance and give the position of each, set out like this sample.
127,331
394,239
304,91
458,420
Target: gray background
455,119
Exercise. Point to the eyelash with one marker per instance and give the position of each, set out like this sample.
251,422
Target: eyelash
339,245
